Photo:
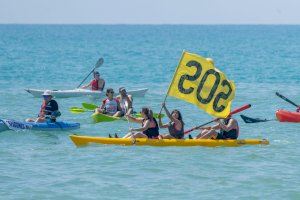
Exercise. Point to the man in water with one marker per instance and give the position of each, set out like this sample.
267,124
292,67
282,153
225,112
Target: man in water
97,84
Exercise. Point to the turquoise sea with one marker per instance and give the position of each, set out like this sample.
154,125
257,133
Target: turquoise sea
38,165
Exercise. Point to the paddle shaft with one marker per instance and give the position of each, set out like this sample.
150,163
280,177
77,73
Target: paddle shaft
231,113
77,110
98,64
172,81
287,100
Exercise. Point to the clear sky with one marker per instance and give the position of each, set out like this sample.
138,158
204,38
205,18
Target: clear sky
150,11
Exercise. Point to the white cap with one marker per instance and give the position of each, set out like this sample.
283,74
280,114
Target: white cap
210,60
47,93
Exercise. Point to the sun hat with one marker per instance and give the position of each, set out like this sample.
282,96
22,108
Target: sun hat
121,89
47,93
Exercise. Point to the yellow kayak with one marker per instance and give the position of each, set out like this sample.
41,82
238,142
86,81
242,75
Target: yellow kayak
86,140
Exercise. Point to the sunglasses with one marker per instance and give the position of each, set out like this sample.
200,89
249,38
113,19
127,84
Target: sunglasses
111,92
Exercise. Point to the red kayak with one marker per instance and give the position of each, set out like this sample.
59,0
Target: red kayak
287,116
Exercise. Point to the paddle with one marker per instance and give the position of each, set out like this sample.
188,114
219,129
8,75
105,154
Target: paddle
255,120
89,106
287,100
78,110
97,65
231,113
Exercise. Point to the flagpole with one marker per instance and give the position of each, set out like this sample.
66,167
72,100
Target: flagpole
183,52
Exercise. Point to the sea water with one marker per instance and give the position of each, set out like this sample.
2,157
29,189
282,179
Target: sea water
46,165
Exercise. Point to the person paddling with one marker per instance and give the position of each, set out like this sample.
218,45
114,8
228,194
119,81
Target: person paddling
149,125
110,105
175,126
229,129
125,101
97,84
49,109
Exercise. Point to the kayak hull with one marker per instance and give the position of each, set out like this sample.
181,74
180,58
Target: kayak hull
7,124
81,92
287,116
86,140
3,127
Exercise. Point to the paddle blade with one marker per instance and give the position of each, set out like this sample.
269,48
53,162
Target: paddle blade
76,110
155,115
286,99
89,106
252,120
104,118
99,63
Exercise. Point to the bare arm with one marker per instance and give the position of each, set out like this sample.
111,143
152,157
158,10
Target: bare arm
176,121
86,86
231,125
119,106
215,127
129,100
144,128
167,112
101,85
161,125
133,119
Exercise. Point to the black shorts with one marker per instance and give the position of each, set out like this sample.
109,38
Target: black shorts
152,135
232,134
178,135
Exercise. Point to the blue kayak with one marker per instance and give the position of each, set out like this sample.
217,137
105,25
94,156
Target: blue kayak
8,124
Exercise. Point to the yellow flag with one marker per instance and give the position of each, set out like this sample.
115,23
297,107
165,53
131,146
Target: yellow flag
197,81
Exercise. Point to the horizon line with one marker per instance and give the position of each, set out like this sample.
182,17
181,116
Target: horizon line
162,24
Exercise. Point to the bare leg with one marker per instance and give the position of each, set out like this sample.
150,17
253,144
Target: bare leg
201,133
139,135
30,120
118,114
40,120
129,111
166,136
128,135
97,111
212,134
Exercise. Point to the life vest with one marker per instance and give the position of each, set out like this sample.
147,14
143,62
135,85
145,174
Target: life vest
226,122
178,134
124,105
95,85
153,130
111,106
